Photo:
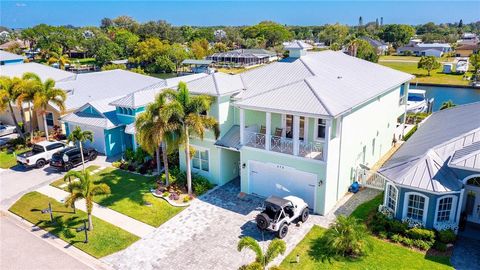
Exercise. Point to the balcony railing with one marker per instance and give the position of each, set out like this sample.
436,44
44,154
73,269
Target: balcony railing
312,150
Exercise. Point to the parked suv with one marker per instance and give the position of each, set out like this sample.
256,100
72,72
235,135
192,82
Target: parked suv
40,154
70,157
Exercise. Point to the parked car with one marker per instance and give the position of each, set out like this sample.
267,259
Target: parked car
279,213
40,154
70,157
7,129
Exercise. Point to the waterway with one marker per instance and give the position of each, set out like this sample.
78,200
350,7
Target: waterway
457,95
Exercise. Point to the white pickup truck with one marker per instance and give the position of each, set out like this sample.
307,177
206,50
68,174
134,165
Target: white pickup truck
40,154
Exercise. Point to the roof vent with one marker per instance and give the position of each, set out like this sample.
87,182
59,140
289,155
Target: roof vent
339,77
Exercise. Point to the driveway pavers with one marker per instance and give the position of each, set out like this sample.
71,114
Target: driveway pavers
466,254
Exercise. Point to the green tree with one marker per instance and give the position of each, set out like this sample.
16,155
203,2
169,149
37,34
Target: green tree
31,82
59,58
186,114
447,104
153,132
333,33
272,32
9,92
200,48
347,237
475,61
126,40
138,70
45,95
79,136
363,50
220,47
114,66
107,51
163,64
275,248
398,34
428,63
147,51
84,189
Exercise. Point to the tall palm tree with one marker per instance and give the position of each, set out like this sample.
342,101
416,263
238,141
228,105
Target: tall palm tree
9,92
186,116
447,104
153,132
30,84
59,58
84,189
80,136
46,94
275,248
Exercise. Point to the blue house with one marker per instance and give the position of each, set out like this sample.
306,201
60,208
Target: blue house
434,178
7,58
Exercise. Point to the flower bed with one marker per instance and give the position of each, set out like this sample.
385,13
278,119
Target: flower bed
138,162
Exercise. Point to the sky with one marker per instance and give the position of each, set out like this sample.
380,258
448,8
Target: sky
21,14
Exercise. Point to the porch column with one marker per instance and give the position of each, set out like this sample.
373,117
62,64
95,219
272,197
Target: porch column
296,132
305,129
405,98
268,129
242,127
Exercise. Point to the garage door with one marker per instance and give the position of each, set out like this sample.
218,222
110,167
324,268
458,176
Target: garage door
98,137
271,179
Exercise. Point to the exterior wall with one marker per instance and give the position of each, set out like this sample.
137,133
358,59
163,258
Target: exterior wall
359,129
230,165
56,121
114,141
311,166
213,174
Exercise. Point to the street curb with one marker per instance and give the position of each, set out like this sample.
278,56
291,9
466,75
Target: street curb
56,242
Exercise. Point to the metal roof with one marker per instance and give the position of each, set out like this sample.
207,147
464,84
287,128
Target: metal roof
467,158
216,84
105,117
7,56
196,62
296,44
43,71
451,134
231,139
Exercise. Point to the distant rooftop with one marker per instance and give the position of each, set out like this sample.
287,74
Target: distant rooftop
297,44
8,56
196,62
43,71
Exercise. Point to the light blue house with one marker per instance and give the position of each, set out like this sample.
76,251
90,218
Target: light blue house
7,58
434,178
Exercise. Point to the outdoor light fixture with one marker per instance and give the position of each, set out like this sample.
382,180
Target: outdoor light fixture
243,166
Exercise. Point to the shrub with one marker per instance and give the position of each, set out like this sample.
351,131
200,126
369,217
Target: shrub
421,234
129,154
383,235
186,199
447,236
165,194
200,184
406,241
174,196
440,246
423,245
410,133
131,167
16,141
379,223
396,226
396,238
116,164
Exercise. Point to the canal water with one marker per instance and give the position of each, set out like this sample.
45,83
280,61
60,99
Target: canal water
457,95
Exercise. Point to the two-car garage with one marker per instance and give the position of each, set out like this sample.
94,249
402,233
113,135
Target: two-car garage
267,179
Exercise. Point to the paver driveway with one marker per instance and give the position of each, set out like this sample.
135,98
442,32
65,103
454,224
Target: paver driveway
203,236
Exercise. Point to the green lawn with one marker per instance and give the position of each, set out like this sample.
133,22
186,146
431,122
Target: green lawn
59,182
105,238
437,77
10,160
384,255
131,196
412,58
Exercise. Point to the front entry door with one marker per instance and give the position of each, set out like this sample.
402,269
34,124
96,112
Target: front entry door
472,204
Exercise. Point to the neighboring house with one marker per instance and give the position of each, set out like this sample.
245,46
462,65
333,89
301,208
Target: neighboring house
7,58
465,50
435,176
380,46
425,49
14,43
243,57
109,104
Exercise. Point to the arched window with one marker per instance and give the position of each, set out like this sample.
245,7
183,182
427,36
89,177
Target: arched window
130,112
415,207
475,181
446,206
391,197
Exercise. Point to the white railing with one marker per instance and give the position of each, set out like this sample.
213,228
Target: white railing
311,150
371,179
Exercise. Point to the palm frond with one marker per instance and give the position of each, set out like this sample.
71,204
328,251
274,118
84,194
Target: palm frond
252,244
275,248
100,189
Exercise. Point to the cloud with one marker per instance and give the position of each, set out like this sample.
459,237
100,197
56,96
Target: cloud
20,5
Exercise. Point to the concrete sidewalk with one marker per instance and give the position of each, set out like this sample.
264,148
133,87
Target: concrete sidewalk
120,220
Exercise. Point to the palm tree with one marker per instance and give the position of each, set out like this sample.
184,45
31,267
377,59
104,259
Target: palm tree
275,248
46,94
84,189
347,237
447,104
186,116
153,132
59,58
30,84
80,136
9,92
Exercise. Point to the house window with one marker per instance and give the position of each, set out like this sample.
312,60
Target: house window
200,160
321,128
444,208
391,198
416,207
289,127
49,118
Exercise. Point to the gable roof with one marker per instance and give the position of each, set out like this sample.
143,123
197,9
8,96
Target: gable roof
43,71
447,135
375,43
7,56
296,44
330,82
105,117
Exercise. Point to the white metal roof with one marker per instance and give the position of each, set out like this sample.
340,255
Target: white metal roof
467,158
105,117
43,71
296,44
6,56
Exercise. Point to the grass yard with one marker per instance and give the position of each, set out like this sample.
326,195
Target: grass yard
412,58
384,255
131,196
58,183
105,238
437,77
9,160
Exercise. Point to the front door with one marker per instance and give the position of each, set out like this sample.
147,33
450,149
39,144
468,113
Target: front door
472,203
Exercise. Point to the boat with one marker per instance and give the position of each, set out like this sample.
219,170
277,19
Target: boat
461,66
417,101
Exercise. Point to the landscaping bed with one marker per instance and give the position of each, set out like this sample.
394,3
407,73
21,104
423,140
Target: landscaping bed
137,162
105,238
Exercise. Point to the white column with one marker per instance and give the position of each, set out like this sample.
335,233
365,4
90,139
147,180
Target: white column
405,98
268,130
328,135
242,127
296,132
305,129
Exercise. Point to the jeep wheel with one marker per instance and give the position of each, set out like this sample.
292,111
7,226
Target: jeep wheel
304,216
282,231
92,156
263,221
40,163
68,167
